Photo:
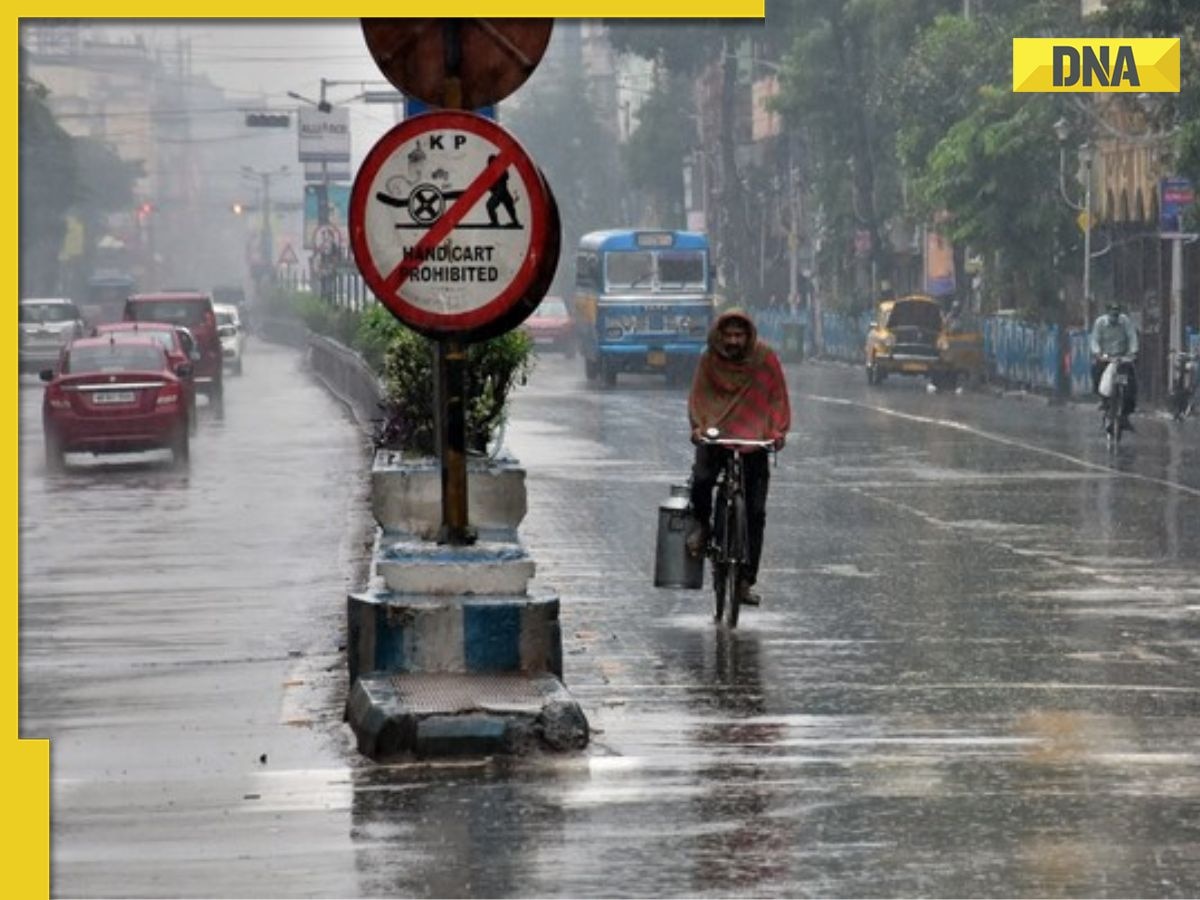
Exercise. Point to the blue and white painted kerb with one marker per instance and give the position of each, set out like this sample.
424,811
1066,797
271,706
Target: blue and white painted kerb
401,633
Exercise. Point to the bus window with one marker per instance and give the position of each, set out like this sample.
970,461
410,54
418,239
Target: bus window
628,270
587,271
681,269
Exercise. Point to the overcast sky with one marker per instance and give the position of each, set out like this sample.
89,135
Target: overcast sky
259,61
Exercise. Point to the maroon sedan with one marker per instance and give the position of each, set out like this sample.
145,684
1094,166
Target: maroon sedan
179,343
113,396
551,328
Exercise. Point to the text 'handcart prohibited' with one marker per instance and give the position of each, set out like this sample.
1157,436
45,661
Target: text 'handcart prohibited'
452,224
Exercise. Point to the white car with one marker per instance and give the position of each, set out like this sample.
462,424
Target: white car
47,324
233,335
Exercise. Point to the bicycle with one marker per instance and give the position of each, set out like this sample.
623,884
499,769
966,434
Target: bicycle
1113,418
1182,399
729,540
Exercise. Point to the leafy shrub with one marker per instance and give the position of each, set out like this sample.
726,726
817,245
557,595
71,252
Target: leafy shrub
377,329
494,367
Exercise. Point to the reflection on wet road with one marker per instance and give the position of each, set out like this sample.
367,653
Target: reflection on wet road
974,672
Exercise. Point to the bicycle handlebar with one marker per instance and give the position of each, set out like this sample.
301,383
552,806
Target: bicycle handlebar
737,442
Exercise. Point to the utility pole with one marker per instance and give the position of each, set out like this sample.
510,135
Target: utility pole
266,238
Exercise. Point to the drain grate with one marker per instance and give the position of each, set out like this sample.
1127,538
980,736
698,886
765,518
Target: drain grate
446,693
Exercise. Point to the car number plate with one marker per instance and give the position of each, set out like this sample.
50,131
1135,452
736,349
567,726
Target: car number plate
113,397
656,358
912,367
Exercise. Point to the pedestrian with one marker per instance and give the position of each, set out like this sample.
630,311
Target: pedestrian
739,389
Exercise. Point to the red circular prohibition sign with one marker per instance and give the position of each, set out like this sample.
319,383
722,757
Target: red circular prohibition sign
388,282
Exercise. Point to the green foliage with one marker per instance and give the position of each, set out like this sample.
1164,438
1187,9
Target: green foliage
49,184
557,122
1181,112
494,367
105,180
377,329
325,318
655,152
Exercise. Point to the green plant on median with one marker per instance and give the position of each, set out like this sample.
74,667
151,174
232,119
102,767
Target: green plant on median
494,368
404,360
377,328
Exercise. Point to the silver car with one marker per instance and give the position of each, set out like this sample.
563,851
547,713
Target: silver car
46,324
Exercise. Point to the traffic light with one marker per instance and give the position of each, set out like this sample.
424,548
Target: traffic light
268,120
237,208
144,210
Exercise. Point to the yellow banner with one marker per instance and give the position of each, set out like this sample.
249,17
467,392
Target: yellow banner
1096,65
563,9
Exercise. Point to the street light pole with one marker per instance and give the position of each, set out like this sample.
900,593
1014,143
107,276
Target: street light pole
1086,156
1062,130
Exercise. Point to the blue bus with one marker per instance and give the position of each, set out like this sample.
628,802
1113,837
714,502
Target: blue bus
643,302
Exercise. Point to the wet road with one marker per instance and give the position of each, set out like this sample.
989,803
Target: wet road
974,672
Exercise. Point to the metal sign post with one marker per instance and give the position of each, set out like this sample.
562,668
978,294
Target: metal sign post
450,364
438,234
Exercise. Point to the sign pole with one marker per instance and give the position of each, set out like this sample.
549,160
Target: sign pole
450,359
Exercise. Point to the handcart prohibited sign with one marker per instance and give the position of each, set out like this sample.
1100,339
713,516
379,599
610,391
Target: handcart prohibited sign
453,226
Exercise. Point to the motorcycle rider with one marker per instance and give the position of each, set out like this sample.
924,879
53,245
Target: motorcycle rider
1114,334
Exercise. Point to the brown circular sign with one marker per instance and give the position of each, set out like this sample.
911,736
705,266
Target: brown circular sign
493,57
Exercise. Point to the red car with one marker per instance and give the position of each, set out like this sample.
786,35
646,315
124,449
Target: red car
113,396
194,311
550,326
179,343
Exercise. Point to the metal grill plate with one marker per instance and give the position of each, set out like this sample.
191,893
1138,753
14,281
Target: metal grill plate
451,693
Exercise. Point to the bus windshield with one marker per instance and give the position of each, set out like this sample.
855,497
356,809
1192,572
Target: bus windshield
629,269
681,269
665,270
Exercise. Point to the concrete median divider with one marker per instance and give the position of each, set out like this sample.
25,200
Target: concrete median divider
448,652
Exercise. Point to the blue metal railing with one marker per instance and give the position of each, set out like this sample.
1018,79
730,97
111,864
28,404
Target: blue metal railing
1016,353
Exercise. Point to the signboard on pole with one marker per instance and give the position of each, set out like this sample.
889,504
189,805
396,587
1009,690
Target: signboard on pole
337,209
1177,194
453,226
324,136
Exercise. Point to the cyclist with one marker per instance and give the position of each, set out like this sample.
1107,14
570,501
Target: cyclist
739,389
1114,334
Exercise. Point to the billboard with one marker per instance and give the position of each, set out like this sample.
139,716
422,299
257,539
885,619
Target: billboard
324,136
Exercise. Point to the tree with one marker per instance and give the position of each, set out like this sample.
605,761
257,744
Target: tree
60,174
971,149
49,182
838,90
1181,112
664,137
558,124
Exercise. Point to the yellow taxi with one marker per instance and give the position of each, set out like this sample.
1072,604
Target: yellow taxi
908,337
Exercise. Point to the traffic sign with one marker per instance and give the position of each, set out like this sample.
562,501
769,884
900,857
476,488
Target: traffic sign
1177,194
493,57
287,257
453,226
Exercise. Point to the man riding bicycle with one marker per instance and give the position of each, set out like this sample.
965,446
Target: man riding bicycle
740,390
1114,335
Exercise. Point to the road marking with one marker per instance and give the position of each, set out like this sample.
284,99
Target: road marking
1000,439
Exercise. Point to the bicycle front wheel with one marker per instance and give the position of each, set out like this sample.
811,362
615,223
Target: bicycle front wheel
734,605
738,553
719,573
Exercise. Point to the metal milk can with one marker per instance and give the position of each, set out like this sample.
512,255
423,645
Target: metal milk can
674,567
